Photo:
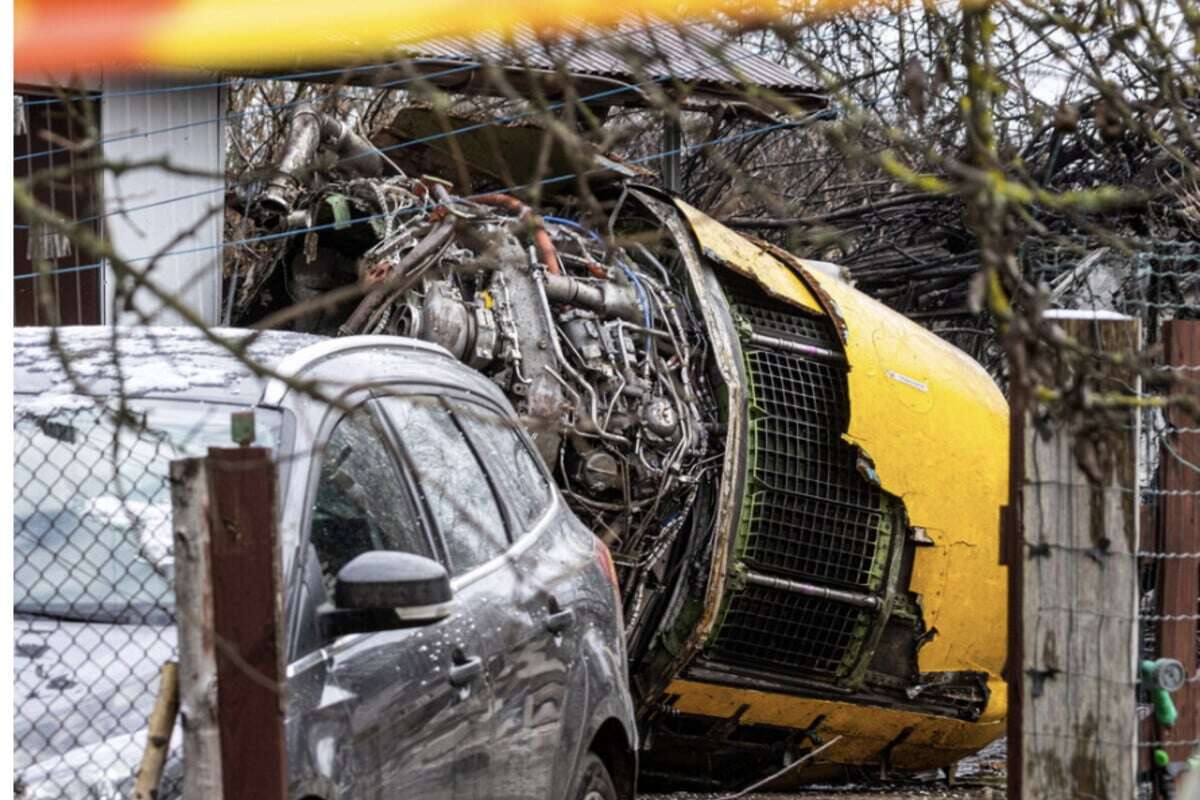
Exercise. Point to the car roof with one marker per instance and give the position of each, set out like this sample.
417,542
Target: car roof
185,363
146,361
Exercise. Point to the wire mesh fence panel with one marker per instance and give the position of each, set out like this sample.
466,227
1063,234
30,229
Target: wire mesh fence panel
1170,564
93,596
94,599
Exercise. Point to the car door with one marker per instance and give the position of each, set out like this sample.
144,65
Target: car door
471,527
400,713
539,625
473,520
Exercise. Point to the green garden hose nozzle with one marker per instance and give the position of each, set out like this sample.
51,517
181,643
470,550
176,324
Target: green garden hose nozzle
1161,677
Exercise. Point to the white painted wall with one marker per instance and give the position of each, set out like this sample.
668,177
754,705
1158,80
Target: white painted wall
147,209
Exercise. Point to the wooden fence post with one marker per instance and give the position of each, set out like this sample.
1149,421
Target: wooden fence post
194,623
1179,578
247,606
1073,571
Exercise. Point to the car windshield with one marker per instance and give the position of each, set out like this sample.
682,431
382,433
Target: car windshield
92,505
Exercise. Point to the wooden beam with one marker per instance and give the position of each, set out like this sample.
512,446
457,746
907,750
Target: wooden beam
158,734
247,606
1179,578
1072,674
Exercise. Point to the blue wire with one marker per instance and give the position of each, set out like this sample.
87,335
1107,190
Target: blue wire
291,76
435,137
570,223
566,176
246,112
642,300
483,55
65,270
465,67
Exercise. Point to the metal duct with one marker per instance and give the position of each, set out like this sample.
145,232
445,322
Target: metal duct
310,129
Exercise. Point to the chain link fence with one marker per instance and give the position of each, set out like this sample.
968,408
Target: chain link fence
93,583
1108,640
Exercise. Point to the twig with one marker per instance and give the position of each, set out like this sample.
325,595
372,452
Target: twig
780,773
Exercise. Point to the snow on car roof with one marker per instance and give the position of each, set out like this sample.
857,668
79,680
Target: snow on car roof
147,362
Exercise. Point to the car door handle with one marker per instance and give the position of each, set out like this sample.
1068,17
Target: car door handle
467,671
559,621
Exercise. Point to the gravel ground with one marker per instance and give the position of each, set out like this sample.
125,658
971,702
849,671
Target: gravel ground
880,793
980,777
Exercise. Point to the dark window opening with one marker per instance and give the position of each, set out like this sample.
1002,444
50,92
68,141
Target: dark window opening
44,128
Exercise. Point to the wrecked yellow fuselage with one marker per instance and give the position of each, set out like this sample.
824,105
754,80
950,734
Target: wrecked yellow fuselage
869,606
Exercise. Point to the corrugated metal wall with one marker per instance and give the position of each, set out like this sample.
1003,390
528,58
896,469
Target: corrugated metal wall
153,210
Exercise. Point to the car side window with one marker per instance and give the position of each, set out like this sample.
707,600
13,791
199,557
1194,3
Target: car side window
361,503
512,465
451,480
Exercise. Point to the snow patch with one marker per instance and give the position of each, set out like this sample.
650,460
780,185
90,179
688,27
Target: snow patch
50,403
151,522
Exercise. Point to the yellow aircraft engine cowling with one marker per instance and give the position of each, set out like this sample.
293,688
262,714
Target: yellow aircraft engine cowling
859,593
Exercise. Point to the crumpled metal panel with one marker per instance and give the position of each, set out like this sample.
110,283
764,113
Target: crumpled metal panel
739,254
935,425
931,741
727,359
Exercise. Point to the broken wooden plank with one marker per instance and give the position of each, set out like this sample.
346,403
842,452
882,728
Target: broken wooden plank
158,734
194,622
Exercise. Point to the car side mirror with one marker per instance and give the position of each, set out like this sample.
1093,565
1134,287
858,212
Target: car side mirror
383,590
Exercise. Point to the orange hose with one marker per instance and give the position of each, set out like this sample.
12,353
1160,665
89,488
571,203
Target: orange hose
541,239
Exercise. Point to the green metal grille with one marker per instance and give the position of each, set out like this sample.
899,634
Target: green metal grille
780,630
808,514
814,516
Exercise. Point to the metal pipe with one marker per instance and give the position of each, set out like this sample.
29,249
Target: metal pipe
647,331
812,590
608,297
539,280
355,153
798,347
230,297
400,276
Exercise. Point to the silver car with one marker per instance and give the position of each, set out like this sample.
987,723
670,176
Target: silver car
517,688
